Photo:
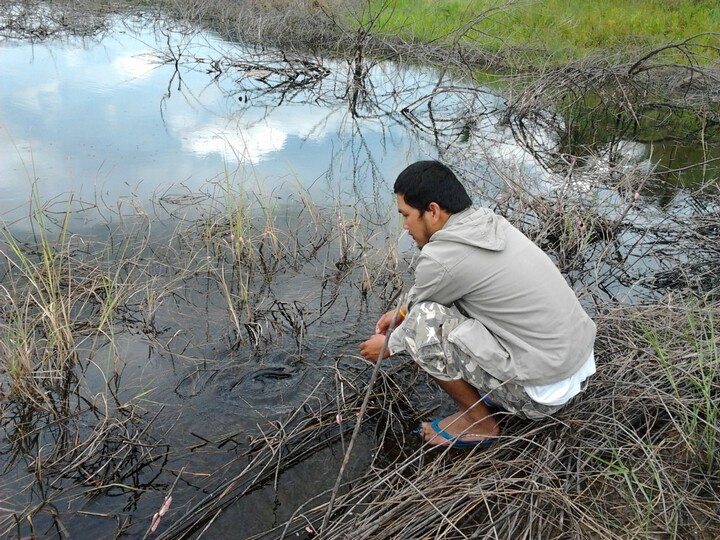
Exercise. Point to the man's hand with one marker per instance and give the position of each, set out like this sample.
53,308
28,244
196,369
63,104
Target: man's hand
370,349
386,319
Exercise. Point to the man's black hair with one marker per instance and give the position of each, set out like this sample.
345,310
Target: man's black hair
424,182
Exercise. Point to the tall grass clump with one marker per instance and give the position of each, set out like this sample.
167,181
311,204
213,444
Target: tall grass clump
694,376
64,297
39,302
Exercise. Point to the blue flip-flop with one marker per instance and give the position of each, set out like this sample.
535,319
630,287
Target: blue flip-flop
494,407
455,441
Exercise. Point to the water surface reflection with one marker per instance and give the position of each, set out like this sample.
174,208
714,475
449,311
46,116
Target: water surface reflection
110,117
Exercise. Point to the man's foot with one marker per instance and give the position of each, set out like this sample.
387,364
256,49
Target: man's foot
460,430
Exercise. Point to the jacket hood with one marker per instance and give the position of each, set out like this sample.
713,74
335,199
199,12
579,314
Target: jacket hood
474,227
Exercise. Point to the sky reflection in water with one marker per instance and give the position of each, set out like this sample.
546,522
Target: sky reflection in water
106,117
111,117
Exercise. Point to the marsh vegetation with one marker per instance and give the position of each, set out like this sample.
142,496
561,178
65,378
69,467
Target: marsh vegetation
184,364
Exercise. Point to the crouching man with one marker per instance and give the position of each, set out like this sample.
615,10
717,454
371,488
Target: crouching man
489,316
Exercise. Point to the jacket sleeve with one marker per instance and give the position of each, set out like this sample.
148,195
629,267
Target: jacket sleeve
433,283
396,342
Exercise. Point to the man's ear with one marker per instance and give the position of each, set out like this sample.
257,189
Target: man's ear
435,210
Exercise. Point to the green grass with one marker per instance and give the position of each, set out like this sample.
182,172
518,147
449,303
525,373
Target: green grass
693,376
568,28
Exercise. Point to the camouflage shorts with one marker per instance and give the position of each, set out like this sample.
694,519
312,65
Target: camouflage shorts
425,335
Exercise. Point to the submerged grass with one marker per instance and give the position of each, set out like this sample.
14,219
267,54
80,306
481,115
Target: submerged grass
58,298
70,300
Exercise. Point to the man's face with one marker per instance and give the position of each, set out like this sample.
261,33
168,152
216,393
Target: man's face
413,222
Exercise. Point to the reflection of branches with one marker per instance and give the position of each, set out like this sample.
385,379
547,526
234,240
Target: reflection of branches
38,21
284,78
172,57
431,100
273,73
449,112
615,242
74,450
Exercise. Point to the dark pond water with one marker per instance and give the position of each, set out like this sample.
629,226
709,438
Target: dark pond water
149,139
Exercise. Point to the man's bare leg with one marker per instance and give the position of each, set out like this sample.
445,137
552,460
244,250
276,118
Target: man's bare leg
473,416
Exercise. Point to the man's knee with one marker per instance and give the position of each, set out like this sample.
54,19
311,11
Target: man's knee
432,320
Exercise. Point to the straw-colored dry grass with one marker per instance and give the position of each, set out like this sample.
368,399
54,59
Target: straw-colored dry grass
634,457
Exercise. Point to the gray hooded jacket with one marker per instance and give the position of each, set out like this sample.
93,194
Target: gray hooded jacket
526,323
